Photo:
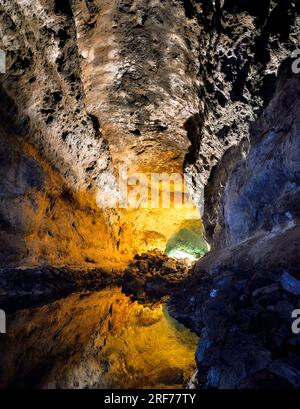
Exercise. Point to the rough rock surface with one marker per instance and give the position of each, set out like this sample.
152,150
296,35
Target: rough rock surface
42,220
241,297
153,277
269,176
245,326
242,45
155,86
89,86
36,286
162,86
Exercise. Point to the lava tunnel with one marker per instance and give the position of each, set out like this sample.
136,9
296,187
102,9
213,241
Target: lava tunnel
149,194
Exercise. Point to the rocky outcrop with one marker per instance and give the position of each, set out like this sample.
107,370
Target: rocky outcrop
269,177
154,277
244,321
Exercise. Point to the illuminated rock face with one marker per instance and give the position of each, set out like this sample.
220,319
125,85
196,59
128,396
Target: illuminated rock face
99,340
157,87
43,221
90,87
140,64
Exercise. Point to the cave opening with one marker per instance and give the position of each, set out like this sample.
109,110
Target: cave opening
188,242
155,212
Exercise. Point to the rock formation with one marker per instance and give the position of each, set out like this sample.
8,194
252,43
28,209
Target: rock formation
242,295
89,87
204,87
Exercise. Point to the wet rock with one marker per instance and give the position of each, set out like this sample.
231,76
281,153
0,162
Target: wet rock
290,283
290,373
23,288
262,291
284,308
152,277
242,328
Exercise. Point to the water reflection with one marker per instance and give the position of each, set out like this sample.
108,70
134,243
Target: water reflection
95,340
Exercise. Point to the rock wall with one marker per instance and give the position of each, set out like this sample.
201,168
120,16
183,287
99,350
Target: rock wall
44,222
94,84
42,90
242,46
262,193
242,295
159,87
51,149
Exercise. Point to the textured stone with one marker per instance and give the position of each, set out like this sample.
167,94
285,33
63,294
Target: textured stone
255,259
159,86
290,283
